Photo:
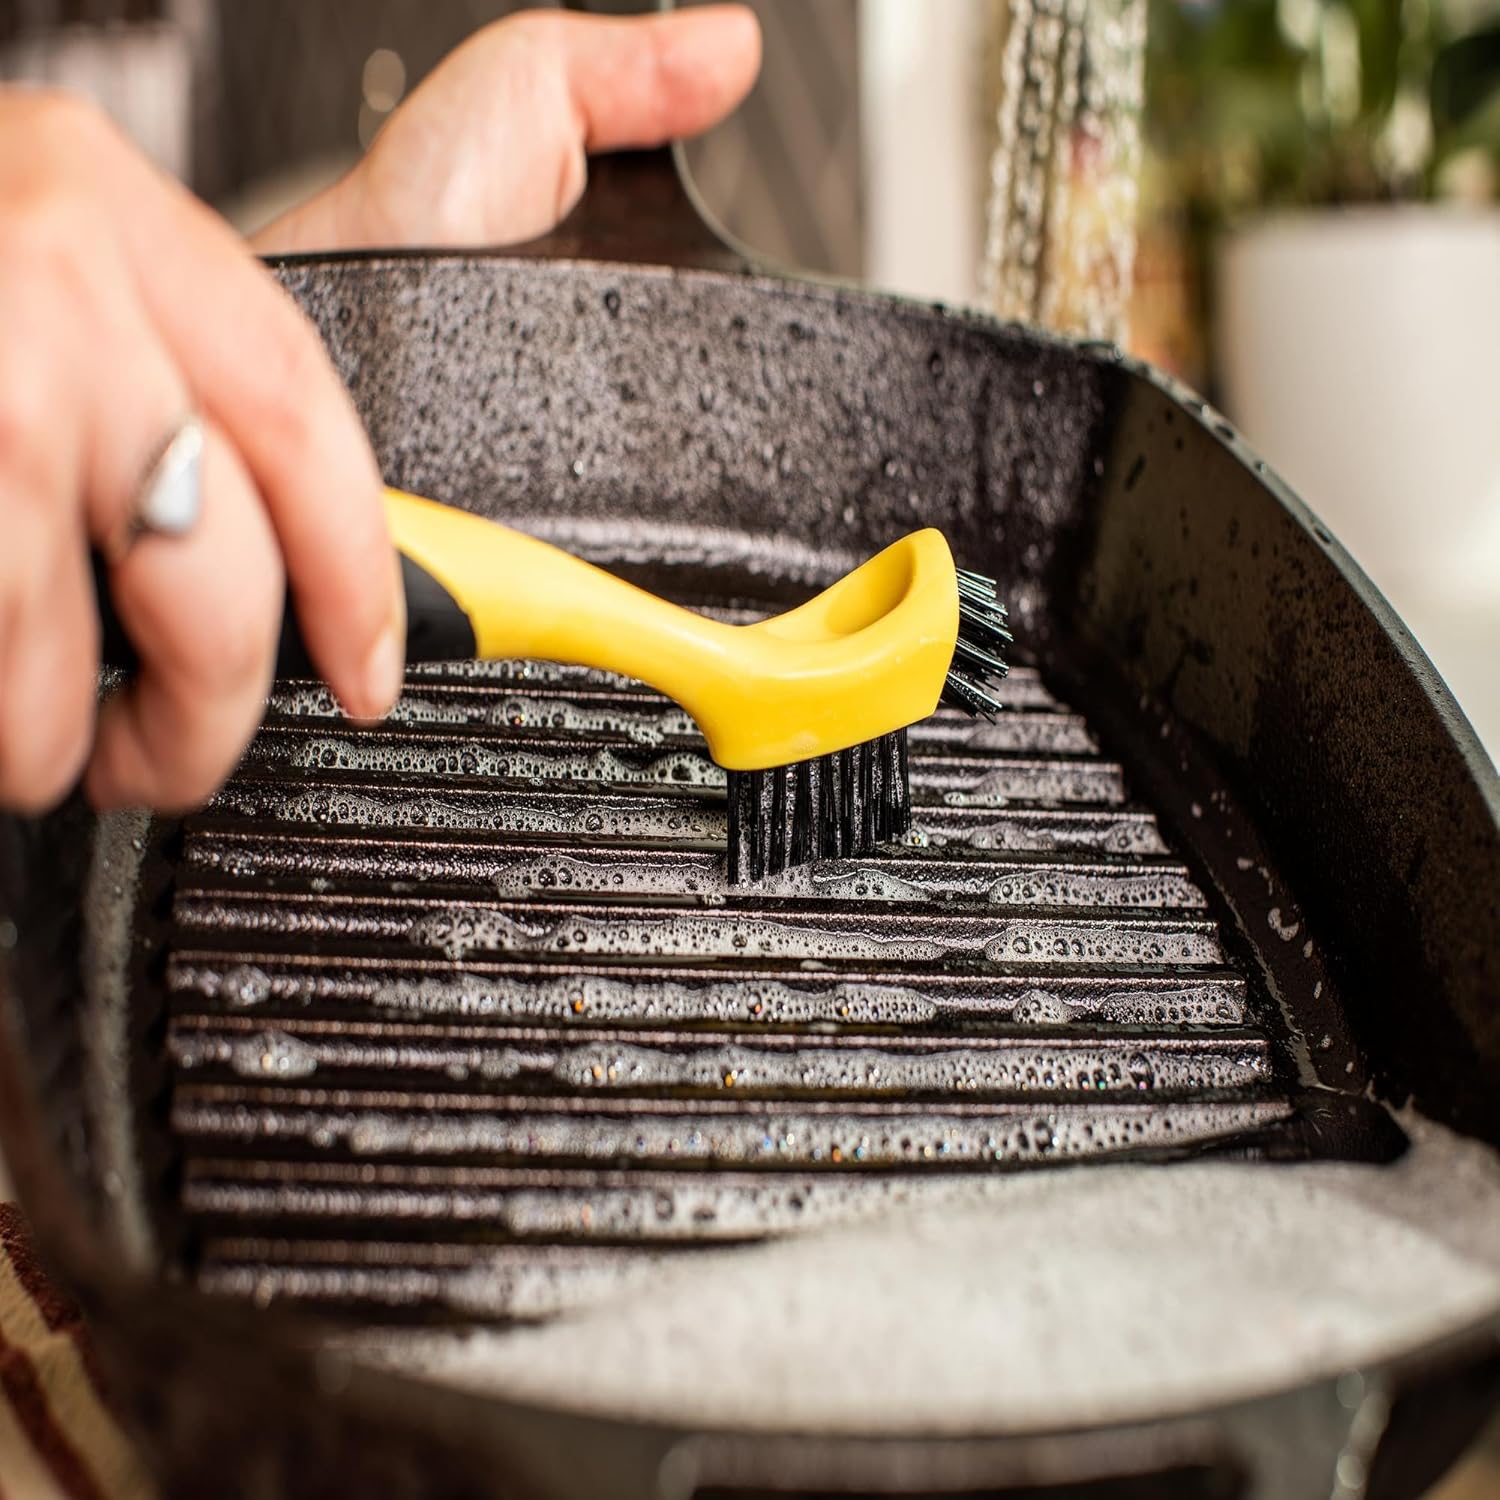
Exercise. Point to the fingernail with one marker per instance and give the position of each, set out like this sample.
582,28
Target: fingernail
385,668
386,665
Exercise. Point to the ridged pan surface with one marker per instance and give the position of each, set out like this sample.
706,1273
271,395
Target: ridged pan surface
455,1020
465,1022
469,992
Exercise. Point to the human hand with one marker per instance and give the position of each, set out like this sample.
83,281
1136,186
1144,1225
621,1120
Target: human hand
491,149
126,305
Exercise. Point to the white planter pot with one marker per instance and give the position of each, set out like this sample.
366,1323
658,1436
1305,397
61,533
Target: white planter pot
1360,353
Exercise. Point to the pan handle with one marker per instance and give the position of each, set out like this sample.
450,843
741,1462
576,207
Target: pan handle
639,207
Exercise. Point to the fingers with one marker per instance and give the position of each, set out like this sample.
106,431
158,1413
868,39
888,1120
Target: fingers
257,368
255,365
126,305
656,79
49,654
491,148
48,634
640,83
204,610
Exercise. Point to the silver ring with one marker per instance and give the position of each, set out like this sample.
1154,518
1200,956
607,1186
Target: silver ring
170,498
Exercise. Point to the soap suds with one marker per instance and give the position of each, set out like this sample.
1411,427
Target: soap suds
1008,1303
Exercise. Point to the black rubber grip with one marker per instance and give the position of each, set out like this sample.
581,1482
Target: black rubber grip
437,629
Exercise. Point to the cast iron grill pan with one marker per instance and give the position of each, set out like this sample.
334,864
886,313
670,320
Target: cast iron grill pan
465,1023
1285,743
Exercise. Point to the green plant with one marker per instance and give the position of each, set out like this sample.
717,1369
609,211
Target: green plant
1266,103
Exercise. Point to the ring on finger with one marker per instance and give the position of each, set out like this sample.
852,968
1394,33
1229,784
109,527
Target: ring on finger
169,499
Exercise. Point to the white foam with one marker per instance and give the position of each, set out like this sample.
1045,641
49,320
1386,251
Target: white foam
798,1137
956,1070
596,998
498,757
459,930
1090,1295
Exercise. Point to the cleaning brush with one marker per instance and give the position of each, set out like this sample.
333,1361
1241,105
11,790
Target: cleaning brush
845,803
806,712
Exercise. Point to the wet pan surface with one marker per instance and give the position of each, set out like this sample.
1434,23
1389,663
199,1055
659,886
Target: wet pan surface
454,1022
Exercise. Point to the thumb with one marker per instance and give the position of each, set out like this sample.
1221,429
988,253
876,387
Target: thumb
492,147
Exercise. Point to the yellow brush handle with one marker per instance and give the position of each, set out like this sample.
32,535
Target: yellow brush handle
864,658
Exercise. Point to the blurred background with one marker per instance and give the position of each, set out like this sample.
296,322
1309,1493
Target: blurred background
1293,205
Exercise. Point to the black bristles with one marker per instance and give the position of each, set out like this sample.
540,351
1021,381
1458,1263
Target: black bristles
848,803
978,664
835,807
